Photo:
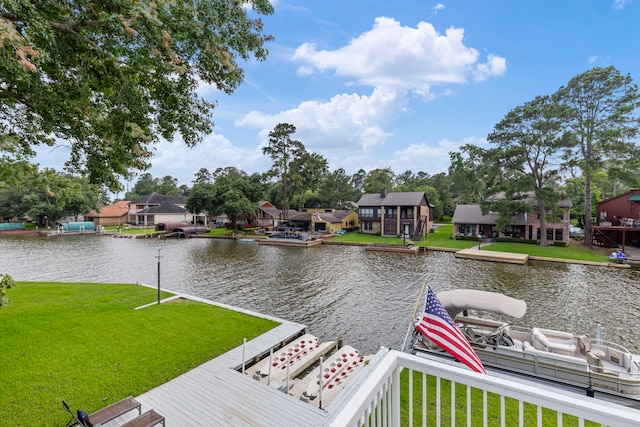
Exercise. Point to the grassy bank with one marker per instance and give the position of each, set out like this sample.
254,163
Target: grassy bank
86,344
442,238
571,252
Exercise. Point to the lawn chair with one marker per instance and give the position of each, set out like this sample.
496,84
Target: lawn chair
81,419
103,415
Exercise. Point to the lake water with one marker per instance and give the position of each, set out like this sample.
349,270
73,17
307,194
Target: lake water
366,298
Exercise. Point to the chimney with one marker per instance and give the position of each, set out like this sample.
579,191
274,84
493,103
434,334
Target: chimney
383,193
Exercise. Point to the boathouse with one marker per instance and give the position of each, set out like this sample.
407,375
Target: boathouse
618,221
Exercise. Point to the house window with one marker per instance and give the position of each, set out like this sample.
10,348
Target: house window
390,228
379,213
367,225
390,213
366,212
406,213
559,234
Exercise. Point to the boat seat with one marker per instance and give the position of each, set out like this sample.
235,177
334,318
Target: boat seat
586,348
553,341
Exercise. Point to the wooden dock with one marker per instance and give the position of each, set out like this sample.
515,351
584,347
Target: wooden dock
484,255
290,242
217,393
405,249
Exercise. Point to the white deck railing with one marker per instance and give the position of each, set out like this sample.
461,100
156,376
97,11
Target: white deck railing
503,402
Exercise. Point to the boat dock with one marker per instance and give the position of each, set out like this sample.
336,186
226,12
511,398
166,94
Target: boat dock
406,249
225,392
484,255
290,242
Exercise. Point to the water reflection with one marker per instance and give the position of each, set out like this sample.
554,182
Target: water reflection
367,298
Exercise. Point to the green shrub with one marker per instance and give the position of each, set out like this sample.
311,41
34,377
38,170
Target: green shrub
6,282
516,240
471,238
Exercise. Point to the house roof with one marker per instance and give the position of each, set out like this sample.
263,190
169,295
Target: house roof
335,216
529,198
163,208
413,198
157,199
269,209
472,214
633,194
332,217
114,210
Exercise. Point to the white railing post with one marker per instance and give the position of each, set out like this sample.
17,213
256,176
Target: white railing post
395,397
270,363
376,400
288,365
320,377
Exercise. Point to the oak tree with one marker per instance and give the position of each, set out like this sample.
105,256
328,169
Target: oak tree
109,78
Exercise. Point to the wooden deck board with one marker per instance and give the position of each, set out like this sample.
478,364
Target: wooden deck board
215,393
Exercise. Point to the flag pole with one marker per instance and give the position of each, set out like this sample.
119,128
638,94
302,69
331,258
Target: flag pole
415,313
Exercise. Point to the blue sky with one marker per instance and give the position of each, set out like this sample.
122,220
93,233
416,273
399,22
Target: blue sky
374,84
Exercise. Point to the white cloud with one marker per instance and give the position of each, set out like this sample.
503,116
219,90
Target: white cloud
345,123
216,151
432,158
437,8
400,57
620,4
593,58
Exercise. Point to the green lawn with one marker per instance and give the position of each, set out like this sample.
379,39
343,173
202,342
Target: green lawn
569,252
86,344
441,238
358,237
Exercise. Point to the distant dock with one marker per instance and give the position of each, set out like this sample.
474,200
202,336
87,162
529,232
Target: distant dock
406,249
484,255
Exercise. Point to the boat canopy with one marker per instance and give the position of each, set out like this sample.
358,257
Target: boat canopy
458,300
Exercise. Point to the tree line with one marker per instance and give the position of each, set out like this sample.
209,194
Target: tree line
578,143
108,80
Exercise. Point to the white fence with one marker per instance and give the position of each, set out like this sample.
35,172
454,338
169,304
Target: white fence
503,402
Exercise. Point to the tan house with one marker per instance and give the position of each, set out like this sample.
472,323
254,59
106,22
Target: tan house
113,214
468,220
393,214
324,220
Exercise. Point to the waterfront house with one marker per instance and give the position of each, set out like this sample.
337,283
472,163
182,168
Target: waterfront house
324,220
469,220
395,213
155,208
113,214
618,220
268,216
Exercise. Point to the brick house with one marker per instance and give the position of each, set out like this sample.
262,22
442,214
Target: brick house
395,213
468,220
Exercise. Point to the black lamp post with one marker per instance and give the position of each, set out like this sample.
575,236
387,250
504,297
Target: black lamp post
158,274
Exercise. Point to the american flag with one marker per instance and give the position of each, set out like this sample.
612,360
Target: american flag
318,214
437,325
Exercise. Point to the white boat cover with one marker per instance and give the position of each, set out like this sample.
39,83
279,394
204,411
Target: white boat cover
458,300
